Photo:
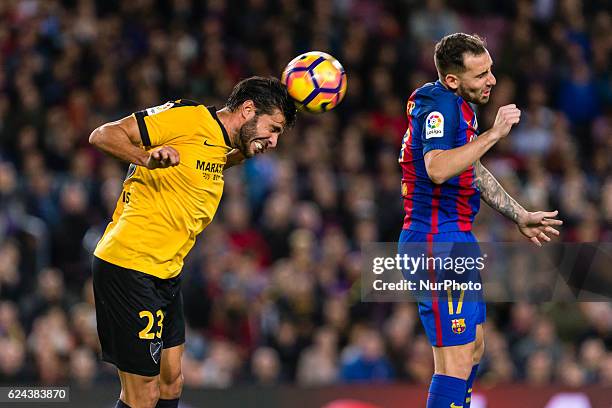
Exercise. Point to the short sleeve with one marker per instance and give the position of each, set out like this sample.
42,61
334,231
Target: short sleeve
161,124
440,124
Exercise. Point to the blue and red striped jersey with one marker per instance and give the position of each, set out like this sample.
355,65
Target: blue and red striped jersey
437,119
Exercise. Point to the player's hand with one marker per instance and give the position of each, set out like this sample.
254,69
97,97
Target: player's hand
507,116
539,226
165,156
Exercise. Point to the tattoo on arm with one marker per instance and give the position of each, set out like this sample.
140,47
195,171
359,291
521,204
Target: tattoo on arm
495,195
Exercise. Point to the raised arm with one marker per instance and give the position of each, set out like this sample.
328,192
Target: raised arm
121,139
533,225
442,165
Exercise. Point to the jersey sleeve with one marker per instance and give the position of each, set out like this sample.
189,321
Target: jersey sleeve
440,124
162,124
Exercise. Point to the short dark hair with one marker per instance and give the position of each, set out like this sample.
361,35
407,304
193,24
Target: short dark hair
267,94
451,49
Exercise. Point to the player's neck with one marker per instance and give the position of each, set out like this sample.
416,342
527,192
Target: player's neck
231,123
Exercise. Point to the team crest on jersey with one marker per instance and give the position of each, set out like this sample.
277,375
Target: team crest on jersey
434,125
458,325
155,348
159,109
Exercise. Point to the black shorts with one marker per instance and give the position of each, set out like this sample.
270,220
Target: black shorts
138,315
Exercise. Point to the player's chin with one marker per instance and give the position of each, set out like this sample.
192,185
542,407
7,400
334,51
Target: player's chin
483,99
247,152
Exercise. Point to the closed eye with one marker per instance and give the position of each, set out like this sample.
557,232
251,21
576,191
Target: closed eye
485,73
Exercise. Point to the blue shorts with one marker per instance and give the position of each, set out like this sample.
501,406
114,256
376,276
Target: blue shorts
450,316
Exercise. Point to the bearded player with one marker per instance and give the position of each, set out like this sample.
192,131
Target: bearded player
178,152
443,182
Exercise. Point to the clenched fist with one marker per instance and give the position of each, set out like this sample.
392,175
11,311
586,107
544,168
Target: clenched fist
165,156
507,116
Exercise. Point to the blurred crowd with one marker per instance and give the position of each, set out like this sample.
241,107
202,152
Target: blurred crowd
272,286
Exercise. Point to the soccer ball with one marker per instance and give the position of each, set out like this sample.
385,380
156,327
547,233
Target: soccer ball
316,81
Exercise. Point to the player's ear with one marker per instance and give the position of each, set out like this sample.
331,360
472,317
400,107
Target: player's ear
452,81
247,110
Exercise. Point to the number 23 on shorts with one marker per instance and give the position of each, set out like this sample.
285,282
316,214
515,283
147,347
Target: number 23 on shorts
146,333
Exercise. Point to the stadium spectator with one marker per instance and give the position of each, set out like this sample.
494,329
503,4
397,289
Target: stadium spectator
265,366
318,363
363,360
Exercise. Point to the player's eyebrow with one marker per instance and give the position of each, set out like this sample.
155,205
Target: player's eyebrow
483,73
